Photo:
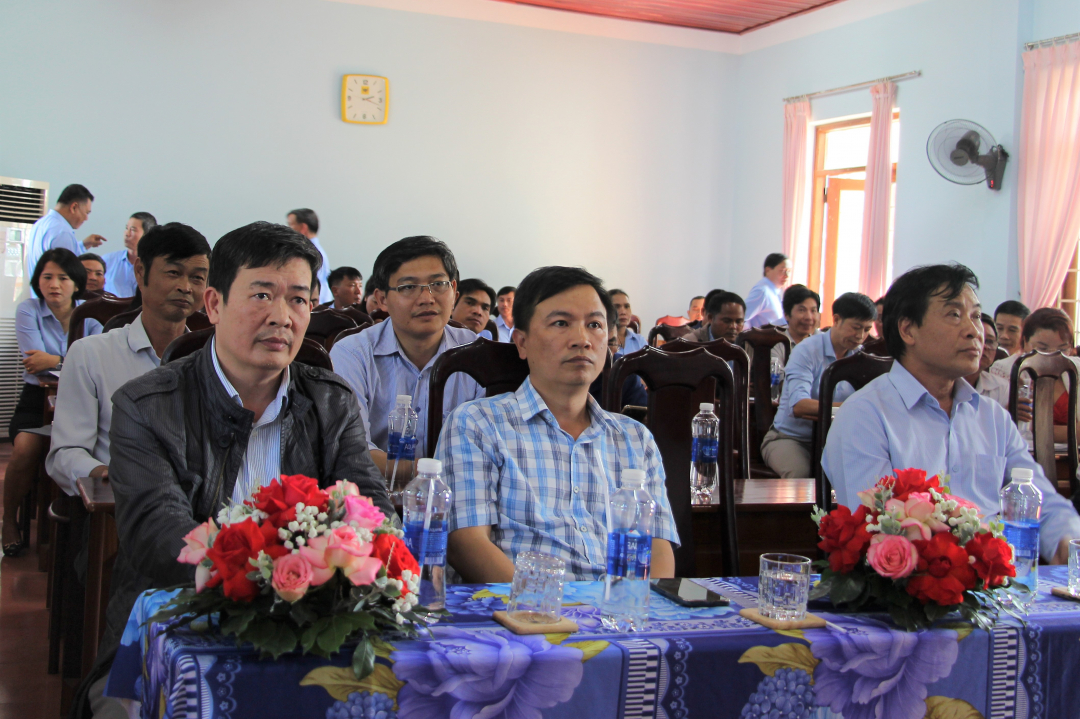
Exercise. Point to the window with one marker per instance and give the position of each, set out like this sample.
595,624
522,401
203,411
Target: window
836,221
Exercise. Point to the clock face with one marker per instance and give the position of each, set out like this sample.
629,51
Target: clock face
363,99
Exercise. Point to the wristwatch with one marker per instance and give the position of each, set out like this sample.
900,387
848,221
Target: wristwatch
59,365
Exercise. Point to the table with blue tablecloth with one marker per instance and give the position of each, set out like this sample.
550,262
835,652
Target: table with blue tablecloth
707,662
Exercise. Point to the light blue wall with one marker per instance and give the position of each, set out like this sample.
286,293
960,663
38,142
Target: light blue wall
518,147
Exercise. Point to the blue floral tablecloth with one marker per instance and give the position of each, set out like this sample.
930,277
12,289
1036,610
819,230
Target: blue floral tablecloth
689,663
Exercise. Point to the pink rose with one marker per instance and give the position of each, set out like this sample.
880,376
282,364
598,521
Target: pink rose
352,555
291,577
315,554
961,503
921,506
345,488
202,576
197,541
867,498
362,511
892,556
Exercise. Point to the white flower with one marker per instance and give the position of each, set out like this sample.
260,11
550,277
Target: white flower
301,541
321,516
399,619
289,544
294,526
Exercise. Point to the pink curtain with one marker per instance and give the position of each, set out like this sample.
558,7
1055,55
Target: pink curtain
874,266
796,181
1049,182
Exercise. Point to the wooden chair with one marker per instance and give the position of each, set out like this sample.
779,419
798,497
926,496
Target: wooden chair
357,313
1002,353
667,333
762,342
379,315
635,324
122,320
455,323
493,329
326,324
198,321
101,309
740,363
314,353
858,370
672,321
678,382
876,347
311,352
347,332
1044,370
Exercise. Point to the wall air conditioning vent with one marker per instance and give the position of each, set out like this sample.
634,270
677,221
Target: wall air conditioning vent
21,201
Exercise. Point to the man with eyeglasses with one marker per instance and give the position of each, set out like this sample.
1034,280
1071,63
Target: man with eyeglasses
724,314
416,279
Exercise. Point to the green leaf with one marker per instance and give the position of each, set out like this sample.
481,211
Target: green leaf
935,611
270,637
307,639
382,649
236,622
338,628
302,614
846,588
363,659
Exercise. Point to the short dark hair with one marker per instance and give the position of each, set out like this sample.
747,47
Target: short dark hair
172,241
466,287
697,297
307,217
854,306
410,248
716,300
343,273
1014,308
93,258
259,244
1048,318
988,320
909,298
612,293
74,193
68,262
773,259
796,295
546,282
506,290
147,220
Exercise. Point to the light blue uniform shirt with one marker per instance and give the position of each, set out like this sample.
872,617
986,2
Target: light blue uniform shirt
802,380
325,295
764,304
375,366
37,328
894,423
504,331
262,457
485,334
48,233
513,468
633,343
120,274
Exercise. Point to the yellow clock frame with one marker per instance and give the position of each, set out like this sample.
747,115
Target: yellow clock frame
344,100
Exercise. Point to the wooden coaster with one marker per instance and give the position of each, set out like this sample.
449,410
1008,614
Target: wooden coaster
1064,593
564,625
810,621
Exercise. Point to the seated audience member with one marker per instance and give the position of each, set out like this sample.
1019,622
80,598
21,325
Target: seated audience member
504,302
764,304
347,287
696,312
95,272
56,229
989,385
306,222
880,307
41,326
1009,319
921,415
802,313
473,307
120,277
725,312
370,301
628,340
414,278
633,390
172,265
787,446
214,426
533,469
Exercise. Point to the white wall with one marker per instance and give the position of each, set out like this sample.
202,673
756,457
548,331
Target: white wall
519,147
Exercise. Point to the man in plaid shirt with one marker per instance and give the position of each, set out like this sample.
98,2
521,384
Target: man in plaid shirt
534,469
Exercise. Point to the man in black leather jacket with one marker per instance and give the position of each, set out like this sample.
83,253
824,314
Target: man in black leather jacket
217,424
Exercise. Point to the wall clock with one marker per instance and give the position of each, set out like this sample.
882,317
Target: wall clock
364,99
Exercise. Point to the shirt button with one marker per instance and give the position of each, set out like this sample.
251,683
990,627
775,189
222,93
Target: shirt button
584,530
576,490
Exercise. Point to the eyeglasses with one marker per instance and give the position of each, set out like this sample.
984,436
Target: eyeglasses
412,291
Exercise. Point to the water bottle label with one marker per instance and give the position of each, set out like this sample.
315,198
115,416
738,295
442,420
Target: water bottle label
644,557
629,554
427,547
704,450
407,447
774,379
393,445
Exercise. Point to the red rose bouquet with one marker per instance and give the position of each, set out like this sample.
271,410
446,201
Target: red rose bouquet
916,550
299,567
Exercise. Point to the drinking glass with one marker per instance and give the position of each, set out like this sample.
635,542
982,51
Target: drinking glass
537,591
1074,566
783,586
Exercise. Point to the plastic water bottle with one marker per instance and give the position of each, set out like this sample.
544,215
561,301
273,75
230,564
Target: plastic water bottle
427,514
776,378
400,443
703,469
625,605
1025,395
1021,503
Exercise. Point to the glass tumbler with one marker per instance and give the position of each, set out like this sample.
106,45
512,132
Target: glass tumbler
537,591
783,586
1074,566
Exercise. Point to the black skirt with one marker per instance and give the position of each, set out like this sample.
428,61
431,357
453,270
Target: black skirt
29,412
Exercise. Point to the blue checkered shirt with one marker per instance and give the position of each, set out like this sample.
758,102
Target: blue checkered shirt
511,467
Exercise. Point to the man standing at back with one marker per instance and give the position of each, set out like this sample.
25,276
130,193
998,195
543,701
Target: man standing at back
120,277
415,278
57,227
764,304
504,302
306,222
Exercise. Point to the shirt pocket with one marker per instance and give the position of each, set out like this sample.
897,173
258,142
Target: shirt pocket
989,476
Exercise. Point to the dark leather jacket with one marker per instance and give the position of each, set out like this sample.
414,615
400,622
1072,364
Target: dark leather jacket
177,443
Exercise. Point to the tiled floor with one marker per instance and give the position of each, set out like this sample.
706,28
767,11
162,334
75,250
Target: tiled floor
27,691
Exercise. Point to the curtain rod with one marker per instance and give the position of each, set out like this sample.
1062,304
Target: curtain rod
1052,41
856,86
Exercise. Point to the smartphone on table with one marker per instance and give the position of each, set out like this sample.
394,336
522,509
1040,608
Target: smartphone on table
688,593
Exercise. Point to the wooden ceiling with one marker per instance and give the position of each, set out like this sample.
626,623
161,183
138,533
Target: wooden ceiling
735,16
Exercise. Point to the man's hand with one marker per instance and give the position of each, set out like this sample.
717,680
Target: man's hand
476,558
1061,556
39,361
93,241
100,472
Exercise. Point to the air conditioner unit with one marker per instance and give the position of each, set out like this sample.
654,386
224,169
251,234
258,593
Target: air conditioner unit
22,203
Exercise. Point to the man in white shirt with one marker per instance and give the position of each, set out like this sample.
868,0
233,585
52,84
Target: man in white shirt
764,304
57,227
306,222
173,263
504,301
